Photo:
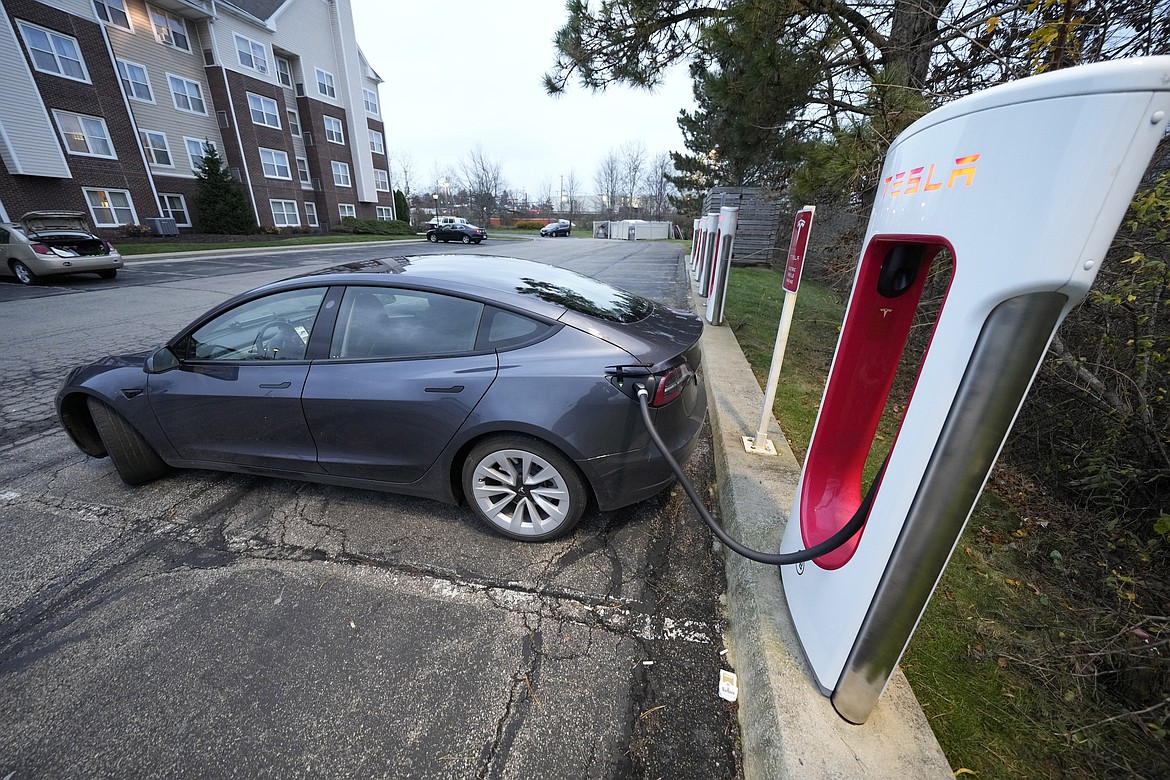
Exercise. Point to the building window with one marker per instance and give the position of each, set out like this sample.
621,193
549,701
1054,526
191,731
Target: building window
168,28
263,111
135,81
110,208
112,12
384,213
54,53
196,149
341,174
284,71
294,122
303,171
251,54
377,145
85,135
187,95
381,180
334,132
346,210
175,207
275,163
156,148
310,213
371,101
284,213
325,83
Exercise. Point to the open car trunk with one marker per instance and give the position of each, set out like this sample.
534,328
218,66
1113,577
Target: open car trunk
65,232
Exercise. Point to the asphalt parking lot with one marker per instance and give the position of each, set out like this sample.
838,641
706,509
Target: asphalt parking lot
214,625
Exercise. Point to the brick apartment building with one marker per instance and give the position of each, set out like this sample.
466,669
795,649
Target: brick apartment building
110,102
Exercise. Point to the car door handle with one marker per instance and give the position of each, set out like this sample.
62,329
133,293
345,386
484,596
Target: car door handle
277,386
451,389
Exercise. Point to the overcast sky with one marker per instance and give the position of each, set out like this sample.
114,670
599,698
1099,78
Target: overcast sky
458,73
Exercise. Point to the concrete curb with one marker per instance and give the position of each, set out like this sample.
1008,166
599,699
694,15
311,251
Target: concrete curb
789,729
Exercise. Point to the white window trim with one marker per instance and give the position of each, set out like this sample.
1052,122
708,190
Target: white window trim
113,155
311,214
175,102
284,203
264,110
341,210
276,153
119,64
252,46
325,78
330,132
305,175
121,6
148,148
294,120
281,74
130,200
379,210
343,169
60,72
187,140
169,212
380,146
377,102
170,18
378,179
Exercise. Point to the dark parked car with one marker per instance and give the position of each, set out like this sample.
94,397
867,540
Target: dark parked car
504,383
457,231
51,243
562,227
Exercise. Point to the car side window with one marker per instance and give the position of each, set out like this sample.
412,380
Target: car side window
506,330
274,327
375,322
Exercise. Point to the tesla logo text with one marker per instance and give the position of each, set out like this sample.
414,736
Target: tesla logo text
885,312
914,180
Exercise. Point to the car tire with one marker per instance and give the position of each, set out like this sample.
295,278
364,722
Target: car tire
523,488
109,273
467,239
434,239
478,240
135,460
24,274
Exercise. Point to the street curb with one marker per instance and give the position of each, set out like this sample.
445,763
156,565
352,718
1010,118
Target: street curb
789,729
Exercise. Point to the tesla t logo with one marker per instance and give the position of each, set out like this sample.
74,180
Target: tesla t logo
885,312
914,180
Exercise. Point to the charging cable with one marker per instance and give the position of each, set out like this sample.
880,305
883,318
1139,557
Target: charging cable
777,559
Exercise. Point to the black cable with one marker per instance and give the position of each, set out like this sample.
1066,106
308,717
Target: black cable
778,559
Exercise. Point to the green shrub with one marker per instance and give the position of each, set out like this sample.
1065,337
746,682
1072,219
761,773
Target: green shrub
377,227
529,224
134,231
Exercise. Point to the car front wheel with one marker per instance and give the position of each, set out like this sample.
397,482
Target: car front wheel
23,273
523,488
134,458
433,238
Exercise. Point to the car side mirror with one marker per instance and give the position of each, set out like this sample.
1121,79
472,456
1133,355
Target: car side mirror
162,359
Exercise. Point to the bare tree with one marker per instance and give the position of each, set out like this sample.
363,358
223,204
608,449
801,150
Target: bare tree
572,193
657,187
483,178
633,162
544,196
608,182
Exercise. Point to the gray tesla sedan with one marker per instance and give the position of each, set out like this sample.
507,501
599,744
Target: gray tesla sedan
502,383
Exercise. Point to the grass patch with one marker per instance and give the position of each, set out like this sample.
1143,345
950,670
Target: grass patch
1000,661
168,247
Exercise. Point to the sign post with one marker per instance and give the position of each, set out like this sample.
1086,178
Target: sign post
760,444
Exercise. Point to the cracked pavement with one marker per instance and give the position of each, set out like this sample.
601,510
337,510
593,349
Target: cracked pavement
216,625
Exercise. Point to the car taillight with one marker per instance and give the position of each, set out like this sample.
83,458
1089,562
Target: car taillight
109,247
41,249
669,386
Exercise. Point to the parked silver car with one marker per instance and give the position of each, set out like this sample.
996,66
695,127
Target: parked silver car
49,243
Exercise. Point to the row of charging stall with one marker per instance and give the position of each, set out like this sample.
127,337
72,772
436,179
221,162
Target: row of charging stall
1014,194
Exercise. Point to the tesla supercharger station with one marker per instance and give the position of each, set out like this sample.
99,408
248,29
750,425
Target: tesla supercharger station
1024,186
707,256
721,266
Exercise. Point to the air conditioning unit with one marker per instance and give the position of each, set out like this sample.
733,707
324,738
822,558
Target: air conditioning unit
162,226
307,137
300,89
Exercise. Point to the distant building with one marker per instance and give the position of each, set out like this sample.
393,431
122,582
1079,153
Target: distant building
108,103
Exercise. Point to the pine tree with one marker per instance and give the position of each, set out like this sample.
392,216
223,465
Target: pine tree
223,208
401,207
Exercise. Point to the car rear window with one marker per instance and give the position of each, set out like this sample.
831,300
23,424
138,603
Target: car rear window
589,296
